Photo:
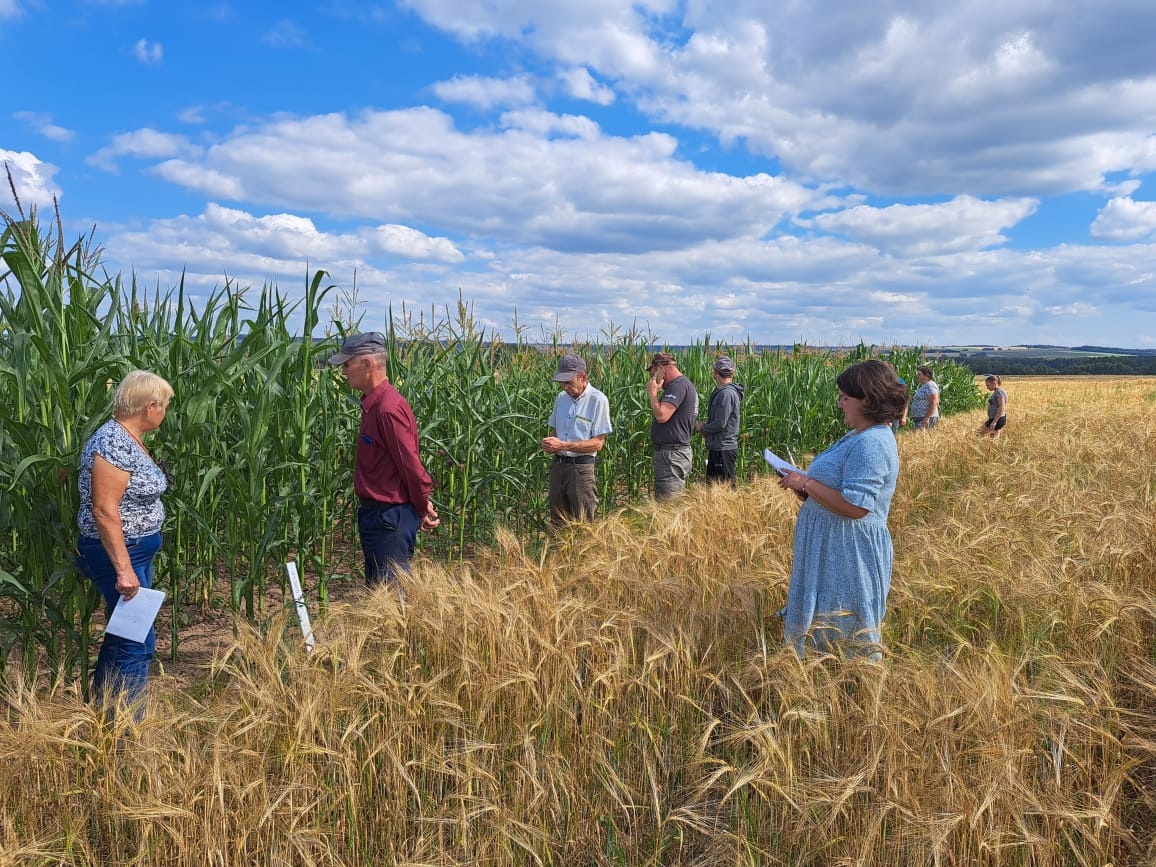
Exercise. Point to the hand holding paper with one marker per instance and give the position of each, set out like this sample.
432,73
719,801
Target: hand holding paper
778,464
133,618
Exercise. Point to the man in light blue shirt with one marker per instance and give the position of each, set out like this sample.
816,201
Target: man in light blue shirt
580,421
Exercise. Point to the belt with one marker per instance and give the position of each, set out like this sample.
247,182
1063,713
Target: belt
367,502
668,446
581,459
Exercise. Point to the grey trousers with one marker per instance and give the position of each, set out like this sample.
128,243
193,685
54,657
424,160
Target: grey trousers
671,467
573,496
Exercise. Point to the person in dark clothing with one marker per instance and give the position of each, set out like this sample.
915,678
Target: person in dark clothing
674,405
721,427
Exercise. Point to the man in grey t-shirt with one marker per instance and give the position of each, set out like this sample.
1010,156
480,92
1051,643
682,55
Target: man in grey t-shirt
674,404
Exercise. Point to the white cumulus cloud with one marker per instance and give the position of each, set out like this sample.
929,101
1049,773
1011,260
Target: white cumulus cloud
148,53
1125,219
32,178
412,244
580,84
485,93
543,179
964,223
142,144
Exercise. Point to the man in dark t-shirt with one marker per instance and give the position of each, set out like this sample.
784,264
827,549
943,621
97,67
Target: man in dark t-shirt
674,405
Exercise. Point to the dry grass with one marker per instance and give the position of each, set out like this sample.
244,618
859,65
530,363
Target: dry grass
625,698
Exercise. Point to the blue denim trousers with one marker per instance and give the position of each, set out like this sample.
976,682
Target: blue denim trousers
122,665
388,534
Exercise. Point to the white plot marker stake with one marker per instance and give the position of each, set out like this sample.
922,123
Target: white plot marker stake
302,611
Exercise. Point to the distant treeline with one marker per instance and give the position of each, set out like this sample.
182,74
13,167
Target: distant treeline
1103,365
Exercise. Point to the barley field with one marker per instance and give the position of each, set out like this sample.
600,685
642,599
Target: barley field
620,695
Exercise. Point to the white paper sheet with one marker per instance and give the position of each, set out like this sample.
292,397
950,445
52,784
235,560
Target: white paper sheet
778,464
132,619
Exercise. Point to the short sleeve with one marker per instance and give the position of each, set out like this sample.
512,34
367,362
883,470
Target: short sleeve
865,472
600,425
118,451
677,393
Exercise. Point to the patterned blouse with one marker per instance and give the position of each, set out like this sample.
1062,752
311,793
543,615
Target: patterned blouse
921,400
141,510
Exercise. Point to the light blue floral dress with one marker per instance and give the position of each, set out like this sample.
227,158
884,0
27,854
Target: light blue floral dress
841,573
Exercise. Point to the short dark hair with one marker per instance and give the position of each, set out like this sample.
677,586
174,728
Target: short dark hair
876,382
926,371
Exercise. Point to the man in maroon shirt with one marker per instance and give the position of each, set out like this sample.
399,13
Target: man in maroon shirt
391,484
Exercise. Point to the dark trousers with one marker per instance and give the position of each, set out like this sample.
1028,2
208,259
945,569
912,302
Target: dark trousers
122,665
720,466
573,496
388,534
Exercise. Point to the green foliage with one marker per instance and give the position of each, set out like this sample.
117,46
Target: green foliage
957,387
259,438
1113,365
256,441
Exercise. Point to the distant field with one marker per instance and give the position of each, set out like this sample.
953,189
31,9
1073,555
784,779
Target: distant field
1014,352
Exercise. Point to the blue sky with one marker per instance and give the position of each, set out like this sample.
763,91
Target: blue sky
897,172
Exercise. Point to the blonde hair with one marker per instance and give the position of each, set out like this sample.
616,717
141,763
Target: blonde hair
137,390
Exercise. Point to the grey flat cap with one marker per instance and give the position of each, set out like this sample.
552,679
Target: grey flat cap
724,364
569,366
366,343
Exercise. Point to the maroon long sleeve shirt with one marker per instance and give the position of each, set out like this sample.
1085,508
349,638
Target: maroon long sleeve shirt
388,468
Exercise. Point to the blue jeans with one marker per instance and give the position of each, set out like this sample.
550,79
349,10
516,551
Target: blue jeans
388,534
122,665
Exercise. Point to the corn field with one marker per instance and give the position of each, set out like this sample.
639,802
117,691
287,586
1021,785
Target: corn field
259,438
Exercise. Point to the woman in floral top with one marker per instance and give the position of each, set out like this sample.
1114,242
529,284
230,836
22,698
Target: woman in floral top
120,524
925,401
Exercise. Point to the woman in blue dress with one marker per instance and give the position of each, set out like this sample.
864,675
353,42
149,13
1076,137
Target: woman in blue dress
841,573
